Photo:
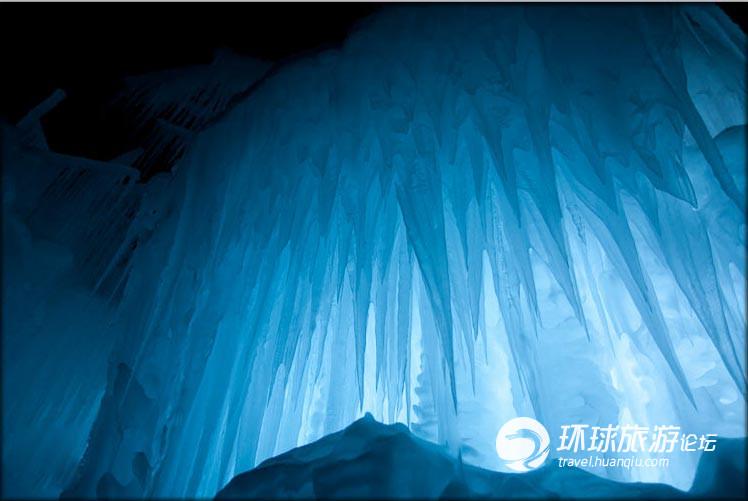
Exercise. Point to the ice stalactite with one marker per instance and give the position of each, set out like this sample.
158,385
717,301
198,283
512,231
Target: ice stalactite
462,215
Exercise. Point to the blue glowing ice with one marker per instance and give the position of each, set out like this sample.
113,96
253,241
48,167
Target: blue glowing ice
368,460
463,215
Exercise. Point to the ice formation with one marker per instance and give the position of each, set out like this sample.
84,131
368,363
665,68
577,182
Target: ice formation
369,460
462,215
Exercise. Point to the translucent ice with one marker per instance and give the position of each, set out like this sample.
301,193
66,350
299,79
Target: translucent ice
463,215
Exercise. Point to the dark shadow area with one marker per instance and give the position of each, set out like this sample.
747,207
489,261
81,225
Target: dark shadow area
87,49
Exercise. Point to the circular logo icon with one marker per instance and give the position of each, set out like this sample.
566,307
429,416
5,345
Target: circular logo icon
523,444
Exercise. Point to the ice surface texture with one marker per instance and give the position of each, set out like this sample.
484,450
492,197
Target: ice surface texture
465,214
369,460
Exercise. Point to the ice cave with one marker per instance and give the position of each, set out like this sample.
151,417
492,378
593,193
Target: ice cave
462,215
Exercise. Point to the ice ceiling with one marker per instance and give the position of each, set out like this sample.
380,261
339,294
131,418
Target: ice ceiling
463,215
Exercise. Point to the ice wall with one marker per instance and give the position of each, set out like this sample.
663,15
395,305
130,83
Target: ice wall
463,215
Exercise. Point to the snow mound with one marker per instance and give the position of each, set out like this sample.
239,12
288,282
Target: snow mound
376,461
